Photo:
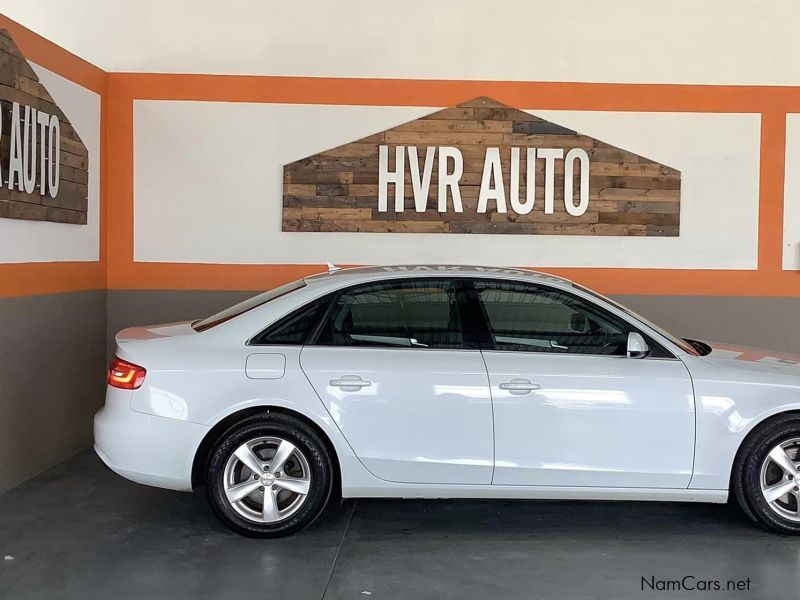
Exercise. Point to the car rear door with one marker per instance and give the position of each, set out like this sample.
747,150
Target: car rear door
391,365
570,408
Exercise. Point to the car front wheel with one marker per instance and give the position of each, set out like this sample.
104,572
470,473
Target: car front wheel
269,476
767,475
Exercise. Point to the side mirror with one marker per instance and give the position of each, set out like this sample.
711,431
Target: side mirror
637,347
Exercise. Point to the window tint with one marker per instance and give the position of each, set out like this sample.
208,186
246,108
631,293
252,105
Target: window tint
295,328
527,318
408,313
687,346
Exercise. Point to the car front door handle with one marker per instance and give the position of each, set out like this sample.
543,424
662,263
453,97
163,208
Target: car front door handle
350,383
519,386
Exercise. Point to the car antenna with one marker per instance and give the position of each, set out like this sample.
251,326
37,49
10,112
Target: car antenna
332,268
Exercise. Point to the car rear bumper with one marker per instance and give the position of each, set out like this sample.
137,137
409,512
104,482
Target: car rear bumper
145,448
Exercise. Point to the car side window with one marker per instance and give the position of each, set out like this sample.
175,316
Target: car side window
295,328
414,313
529,318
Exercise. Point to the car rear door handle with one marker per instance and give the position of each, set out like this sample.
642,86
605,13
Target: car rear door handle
350,382
520,386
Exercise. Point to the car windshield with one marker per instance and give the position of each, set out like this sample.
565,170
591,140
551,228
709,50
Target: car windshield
682,344
249,304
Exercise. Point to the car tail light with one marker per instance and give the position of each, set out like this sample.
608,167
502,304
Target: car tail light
125,375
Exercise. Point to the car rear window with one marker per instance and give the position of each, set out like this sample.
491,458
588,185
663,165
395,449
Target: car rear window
295,328
249,304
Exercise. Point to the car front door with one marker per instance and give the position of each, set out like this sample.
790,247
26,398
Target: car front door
391,365
570,408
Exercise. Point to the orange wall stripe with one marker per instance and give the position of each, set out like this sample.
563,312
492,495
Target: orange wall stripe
54,58
119,186
770,209
430,92
684,282
104,162
27,279
189,276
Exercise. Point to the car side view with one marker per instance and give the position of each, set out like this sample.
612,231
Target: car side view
429,381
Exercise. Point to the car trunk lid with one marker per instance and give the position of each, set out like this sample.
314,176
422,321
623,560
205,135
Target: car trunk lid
151,332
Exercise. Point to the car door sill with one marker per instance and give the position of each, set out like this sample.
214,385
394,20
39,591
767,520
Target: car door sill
401,490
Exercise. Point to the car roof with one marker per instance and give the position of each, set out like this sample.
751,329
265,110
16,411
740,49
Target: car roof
339,276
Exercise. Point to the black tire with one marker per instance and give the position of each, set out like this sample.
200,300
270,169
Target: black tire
746,476
305,439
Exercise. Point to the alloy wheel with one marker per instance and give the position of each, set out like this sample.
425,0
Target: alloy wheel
267,479
779,480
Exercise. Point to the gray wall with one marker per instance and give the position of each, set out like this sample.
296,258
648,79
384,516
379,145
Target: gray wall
762,322
51,379
770,323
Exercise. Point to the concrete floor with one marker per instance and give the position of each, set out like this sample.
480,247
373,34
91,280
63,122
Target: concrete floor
79,531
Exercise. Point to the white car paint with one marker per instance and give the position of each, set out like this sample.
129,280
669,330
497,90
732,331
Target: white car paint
602,421
425,417
415,422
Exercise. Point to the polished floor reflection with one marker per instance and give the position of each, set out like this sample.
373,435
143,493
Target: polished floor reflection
79,531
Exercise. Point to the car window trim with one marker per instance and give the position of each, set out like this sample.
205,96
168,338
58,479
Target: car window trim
489,340
323,318
479,325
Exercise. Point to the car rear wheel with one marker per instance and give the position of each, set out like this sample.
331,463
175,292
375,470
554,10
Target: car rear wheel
767,475
269,476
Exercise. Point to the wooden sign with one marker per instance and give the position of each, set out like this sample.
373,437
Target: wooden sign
44,165
481,167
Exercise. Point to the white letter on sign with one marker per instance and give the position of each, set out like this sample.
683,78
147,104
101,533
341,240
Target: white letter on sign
54,156
15,154
523,208
421,188
450,179
549,155
397,177
43,119
29,150
492,168
583,204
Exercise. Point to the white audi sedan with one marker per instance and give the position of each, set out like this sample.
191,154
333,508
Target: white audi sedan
446,382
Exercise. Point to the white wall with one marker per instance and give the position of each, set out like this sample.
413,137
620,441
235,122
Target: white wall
42,241
208,189
791,195
675,41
